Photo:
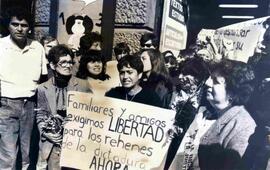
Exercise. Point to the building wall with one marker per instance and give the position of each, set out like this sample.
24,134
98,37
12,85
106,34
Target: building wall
132,20
42,18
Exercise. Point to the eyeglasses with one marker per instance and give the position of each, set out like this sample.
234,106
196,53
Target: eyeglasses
147,45
65,63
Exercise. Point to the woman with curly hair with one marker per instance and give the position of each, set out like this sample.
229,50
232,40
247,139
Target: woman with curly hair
93,68
155,73
219,134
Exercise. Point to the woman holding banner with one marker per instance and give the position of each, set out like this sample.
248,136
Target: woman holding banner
218,137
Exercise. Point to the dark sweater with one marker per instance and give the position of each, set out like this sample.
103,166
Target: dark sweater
148,97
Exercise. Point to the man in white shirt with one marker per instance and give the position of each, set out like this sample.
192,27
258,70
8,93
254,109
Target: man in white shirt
22,63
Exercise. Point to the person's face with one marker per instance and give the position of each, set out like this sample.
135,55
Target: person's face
265,48
94,67
129,77
169,64
148,45
147,66
18,29
95,46
49,45
64,65
187,83
216,92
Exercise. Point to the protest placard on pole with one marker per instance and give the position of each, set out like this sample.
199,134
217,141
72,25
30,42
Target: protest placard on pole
205,33
107,133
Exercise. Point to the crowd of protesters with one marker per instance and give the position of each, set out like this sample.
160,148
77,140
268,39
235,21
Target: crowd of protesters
221,123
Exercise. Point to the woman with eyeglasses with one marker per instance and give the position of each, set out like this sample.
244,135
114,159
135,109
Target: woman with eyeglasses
93,69
219,134
51,105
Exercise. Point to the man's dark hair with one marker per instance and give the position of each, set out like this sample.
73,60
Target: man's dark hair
121,48
87,41
131,61
20,13
149,36
59,51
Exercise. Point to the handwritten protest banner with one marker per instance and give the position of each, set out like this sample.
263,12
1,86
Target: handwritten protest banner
106,133
245,36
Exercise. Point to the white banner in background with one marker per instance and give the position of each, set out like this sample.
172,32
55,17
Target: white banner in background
245,36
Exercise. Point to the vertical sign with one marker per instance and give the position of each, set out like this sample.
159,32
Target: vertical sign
173,31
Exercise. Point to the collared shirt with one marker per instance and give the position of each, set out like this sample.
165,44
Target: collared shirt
20,69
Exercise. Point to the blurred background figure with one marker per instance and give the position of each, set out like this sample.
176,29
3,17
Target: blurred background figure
48,42
121,50
149,41
170,60
90,41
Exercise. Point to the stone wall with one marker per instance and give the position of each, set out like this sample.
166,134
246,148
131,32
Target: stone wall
131,12
42,18
132,20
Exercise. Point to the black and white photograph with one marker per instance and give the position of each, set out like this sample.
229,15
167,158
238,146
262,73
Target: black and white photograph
134,84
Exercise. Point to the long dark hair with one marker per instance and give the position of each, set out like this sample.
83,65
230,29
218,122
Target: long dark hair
92,55
159,72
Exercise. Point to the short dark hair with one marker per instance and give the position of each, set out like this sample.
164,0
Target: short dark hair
149,36
120,48
239,79
132,61
59,51
87,41
20,13
92,56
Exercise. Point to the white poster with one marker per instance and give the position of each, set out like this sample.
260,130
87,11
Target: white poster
108,133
